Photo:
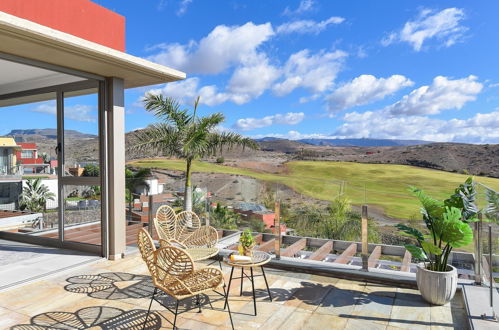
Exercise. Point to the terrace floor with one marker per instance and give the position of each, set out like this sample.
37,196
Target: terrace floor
115,295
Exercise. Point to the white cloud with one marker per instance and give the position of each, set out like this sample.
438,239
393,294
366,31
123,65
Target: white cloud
246,84
442,94
363,90
249,82
308,26
293,135
315,72
224,47
443,26
78,112
303,7
481,128
290,118
186,91
182,9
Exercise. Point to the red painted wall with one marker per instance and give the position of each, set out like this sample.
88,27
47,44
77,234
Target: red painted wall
81,18
28,146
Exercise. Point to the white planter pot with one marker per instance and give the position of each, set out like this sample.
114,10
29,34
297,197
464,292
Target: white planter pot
437,288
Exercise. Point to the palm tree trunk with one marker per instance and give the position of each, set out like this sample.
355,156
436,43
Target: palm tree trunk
188,187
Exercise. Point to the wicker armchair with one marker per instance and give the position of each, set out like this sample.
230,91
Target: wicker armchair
176,275
184,230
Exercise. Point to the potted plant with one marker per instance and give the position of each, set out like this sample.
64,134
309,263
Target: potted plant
448,228
246,243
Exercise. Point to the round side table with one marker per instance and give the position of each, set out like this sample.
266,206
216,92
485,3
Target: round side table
259,259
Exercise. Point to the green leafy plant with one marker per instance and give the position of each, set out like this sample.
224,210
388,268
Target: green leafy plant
447,225
247,240
35,195
133,179
492,208
223,217
91,170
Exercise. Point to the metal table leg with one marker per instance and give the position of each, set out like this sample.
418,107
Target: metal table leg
228,287
242,277
253,287
266,283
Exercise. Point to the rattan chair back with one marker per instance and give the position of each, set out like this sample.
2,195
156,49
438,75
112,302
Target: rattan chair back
187,223
147,249
165,223
172,265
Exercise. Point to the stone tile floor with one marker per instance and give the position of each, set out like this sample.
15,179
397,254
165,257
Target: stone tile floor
115,295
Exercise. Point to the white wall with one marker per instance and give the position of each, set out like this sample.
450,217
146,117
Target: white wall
155,188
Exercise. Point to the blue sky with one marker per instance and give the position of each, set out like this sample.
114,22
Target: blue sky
298,69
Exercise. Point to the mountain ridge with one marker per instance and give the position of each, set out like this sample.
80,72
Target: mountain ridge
354,142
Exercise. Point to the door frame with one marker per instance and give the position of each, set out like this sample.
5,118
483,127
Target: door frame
91,82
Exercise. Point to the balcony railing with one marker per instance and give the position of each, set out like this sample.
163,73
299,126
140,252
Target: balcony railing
11,172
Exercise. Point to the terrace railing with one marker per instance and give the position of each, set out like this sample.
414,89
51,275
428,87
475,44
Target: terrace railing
335,222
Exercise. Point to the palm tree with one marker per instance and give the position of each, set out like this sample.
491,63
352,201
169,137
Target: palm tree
35,195
135,179
185,136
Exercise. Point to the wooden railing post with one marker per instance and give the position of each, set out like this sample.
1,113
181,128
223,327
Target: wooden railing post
365,246
277,227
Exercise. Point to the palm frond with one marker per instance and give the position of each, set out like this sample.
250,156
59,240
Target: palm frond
230,140
167,108
162,138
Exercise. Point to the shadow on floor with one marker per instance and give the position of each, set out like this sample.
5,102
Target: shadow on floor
98,316
332,296
111,286
120,285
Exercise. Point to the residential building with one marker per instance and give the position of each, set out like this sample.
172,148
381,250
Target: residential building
30,161
259,213
9,151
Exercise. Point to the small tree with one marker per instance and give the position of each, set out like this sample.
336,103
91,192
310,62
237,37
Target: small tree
224,218
185,136
35,196
135,179
91,170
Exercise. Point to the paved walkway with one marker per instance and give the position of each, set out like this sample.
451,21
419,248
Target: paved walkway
112,295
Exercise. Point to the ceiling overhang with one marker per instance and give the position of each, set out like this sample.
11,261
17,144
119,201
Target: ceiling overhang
32,41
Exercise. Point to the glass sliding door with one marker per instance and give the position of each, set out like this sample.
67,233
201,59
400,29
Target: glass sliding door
28,169
51,187
80,152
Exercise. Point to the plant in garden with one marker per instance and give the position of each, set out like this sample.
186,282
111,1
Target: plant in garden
447,227
35,196
133,179
185,136
492,208
91,170
223,217
337,221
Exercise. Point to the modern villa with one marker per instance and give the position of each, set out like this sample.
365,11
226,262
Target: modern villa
83,248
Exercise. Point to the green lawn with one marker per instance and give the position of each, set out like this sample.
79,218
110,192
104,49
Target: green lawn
381,185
